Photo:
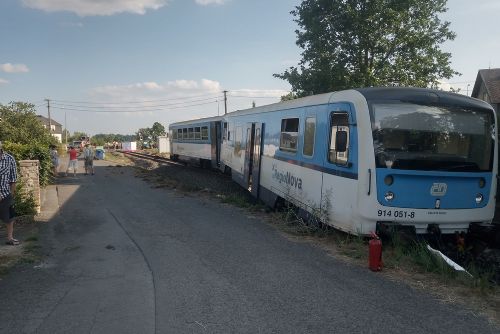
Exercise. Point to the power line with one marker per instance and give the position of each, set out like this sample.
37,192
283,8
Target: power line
256,97
135,107
132,111
129,102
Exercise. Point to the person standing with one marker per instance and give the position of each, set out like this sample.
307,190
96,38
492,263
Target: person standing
73,160
88,155
8,179
54,156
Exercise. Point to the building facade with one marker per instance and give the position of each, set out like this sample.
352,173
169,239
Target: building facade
487,87
55,127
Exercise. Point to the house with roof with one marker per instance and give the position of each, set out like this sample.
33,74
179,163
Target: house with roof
55,127
487,87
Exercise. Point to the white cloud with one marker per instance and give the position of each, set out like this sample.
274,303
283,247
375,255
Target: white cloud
3,81
151,90
261,93
96,7
14,68
210,2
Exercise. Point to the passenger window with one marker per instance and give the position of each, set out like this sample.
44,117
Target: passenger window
204,133
179,134
190,133
238,138
185,133
338,152
309,134
225,132
197,133
289,134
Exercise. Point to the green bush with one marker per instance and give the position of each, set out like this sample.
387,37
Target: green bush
24,202
34,151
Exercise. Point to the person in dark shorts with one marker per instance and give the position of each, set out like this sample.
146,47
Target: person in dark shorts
88,155
8,178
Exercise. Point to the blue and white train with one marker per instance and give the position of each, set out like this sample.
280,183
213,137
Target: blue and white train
196,141
408,157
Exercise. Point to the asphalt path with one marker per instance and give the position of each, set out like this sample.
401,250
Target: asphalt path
124,257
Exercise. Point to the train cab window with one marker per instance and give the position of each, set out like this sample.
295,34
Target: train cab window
204,133
197,133
338,152
190,133
309,134
185,133
179,134
174,134
289,134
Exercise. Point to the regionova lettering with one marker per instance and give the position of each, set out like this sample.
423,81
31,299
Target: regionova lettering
285,177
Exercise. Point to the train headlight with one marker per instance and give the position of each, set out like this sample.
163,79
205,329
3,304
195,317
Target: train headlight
388,180
479,198
389,196
482,182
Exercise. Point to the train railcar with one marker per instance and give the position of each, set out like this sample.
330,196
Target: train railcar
197,141
365,158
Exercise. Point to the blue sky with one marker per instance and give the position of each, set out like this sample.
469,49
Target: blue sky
177,55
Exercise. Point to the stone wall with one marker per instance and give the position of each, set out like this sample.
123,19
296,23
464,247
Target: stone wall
29,170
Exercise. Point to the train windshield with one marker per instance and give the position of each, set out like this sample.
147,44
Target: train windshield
428,137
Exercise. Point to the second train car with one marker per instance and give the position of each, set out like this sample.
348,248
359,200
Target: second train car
197,141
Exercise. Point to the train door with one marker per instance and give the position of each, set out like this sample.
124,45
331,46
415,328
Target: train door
218,142
253,153
340,175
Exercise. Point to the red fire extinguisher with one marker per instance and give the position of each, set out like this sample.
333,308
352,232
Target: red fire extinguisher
375,253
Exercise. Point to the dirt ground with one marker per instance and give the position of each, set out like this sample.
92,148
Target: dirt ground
25,230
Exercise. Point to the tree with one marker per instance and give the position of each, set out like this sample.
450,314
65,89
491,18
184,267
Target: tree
25,137
19,124
363,43
288,97
77,135
149,136
156,131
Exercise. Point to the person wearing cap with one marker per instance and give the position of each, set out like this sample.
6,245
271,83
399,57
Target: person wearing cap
8,178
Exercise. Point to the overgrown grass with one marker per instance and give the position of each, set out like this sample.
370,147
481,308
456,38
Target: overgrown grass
117,157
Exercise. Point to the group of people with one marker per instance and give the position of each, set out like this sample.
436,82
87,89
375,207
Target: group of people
88,156
8,179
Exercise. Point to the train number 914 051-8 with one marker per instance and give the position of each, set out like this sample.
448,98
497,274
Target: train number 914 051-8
396,214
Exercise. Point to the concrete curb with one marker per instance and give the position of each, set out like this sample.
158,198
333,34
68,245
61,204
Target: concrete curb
49,203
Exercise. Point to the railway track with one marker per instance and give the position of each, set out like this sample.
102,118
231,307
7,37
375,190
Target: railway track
152,157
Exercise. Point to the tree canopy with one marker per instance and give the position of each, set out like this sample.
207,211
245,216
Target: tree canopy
149,136
19,124
363,43
101,138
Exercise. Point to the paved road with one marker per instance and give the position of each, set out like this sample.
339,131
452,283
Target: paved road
123,257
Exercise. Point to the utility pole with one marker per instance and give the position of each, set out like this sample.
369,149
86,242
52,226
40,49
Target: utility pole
65,130
225,102
48,111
